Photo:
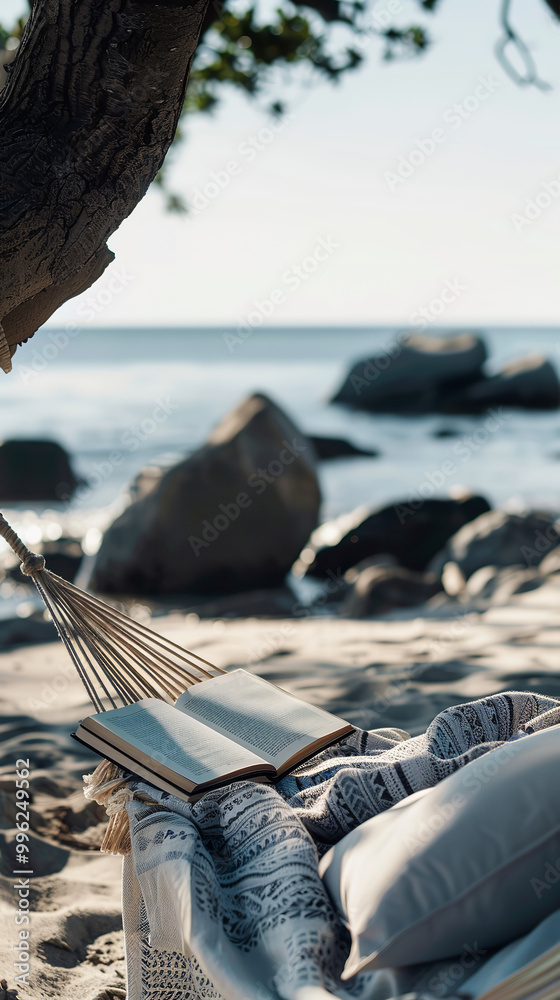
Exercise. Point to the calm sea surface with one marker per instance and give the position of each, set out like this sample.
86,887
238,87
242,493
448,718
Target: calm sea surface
152,396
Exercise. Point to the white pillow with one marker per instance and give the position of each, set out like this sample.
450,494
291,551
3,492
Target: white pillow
476,859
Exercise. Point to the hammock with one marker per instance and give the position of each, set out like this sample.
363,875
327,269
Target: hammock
118,660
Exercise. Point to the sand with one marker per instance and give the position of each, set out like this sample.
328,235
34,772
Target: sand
398,670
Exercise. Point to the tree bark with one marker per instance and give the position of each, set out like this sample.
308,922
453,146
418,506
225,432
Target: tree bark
87,115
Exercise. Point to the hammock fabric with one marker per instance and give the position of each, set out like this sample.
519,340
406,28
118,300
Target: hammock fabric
118,660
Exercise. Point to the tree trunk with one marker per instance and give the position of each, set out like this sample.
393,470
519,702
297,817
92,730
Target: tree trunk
87,115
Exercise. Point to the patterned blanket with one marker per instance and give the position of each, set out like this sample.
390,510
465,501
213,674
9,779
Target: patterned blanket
222,896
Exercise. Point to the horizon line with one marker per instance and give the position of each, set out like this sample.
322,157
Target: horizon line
334,327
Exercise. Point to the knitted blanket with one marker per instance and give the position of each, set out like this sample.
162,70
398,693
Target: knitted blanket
222,896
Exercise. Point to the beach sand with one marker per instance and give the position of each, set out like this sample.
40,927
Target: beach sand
399,670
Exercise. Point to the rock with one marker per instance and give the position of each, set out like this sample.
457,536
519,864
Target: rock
498,585
62,557
380,589
452,579
35,471
383,559
333,447
411,535
5,992
233,516
480,584
276,602
551,562
146,481
415,374
500,539
26,631
445,432
334,588
530,383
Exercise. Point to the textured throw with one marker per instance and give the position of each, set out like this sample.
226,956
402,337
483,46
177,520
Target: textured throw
222,897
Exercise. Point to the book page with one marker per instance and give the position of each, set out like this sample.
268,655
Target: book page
258,715
181,743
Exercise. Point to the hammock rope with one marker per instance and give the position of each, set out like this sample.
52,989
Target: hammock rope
118,659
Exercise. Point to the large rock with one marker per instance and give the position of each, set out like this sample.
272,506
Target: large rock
412,534
500,539
233,516
379,589
415,374
530,383
36,471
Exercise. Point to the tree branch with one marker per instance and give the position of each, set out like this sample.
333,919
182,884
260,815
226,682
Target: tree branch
528,76
87,115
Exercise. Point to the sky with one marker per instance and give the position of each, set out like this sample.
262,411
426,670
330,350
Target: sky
320,227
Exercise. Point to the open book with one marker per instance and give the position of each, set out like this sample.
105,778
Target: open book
233,726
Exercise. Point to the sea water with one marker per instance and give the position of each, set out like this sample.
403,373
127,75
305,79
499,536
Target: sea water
122,399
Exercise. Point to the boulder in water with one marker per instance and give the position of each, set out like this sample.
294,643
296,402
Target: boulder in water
530,383
35,471
415,374
231,517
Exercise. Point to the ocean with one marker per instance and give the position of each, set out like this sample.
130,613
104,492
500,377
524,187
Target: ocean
121,399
